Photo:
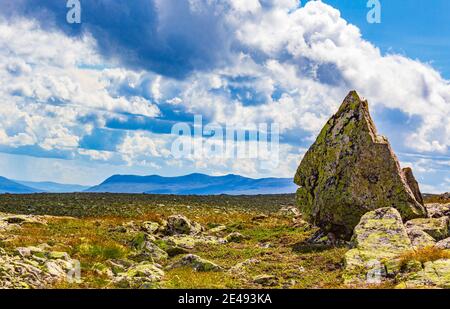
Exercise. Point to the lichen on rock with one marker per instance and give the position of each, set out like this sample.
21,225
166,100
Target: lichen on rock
351,170
379,240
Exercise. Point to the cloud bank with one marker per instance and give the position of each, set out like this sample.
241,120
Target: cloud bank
110,89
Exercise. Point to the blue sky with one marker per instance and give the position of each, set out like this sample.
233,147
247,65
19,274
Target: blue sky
415,28
83,102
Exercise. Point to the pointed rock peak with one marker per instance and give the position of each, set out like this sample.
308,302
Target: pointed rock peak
350,170
352,102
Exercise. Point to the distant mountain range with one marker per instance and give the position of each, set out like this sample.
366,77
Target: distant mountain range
48,186
9,186
194,184
24,187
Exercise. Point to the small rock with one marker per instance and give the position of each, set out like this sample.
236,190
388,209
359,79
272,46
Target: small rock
197,263
56,255
180,225
149,252
149,227
444,244
419,238
260,217
141,276
436,210
235,237
189,242
265,280
289,211
217,229
435,227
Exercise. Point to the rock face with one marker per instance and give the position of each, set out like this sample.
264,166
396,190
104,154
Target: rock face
350,170
413,184
379,239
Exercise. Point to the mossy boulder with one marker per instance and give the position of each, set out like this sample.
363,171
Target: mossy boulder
350,170
180,225
379,240
435,227
435,274
140,276
149,252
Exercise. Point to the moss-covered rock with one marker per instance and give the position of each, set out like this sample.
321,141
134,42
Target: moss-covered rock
435,227
195,262
180,225
350,170
419,238
189,242
140,276
444,244
149,252
379,239
434,275
436,210
235,237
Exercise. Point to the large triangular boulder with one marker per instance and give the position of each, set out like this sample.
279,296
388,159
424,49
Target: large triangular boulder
351,170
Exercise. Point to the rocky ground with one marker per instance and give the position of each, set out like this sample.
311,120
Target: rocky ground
200,243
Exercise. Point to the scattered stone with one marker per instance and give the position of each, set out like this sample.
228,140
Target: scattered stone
379,239
149,227
180,225
242,267
235,237
189,242
350,170
289,211
419,238
444,244
260,217
149,252
176,250
197,263
34,267
140,276
119,265
438,210
217,229
21,219
435,227
103,270
266,280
